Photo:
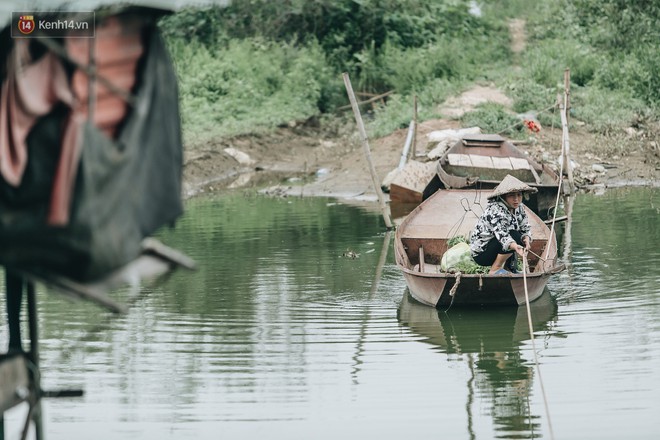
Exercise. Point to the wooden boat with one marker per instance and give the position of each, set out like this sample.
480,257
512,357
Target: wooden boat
483,160
422,238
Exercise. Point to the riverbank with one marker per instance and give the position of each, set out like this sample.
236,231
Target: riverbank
309,160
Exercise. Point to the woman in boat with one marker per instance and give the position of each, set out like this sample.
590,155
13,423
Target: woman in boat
503,230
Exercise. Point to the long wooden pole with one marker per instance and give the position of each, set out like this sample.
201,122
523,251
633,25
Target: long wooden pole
413,151
567,91
406,147
368,101
367,151
567,251
568,168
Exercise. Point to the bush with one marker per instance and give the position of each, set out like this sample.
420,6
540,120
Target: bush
493,118
252,66
589,103
399,109
249,86
407,70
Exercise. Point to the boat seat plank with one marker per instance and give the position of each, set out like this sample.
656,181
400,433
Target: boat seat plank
519,163
461,160
481,161
502,163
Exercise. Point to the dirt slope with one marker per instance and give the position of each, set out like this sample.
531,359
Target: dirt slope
307,161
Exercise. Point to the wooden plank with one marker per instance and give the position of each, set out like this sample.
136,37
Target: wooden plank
502,163
519,163
537,178
481,161
483,140
461,160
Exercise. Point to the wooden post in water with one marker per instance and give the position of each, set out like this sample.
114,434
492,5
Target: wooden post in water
367,151
566,150
567,251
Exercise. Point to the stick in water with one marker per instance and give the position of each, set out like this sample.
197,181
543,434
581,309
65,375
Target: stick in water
367,151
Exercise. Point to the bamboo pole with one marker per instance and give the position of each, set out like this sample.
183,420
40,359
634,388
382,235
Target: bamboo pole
413,151
566,150
567,250
407,145
374,98
567,91
567,107
367,151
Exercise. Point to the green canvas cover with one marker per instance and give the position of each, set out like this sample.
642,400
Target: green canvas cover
125,189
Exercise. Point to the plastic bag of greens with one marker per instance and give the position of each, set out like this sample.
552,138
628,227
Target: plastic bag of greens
457,255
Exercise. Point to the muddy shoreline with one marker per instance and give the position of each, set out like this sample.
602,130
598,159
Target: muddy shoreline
303,162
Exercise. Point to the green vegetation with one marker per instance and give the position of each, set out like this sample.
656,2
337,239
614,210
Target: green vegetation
465,265
253,66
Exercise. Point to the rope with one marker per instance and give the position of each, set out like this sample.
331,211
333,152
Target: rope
531,334
545,260
452,291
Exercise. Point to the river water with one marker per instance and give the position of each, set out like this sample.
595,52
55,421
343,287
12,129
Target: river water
280,334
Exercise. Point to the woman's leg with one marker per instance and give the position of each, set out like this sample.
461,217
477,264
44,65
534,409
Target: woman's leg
492,256
512,263
499,263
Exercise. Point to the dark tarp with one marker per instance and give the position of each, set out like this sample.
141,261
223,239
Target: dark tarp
125,189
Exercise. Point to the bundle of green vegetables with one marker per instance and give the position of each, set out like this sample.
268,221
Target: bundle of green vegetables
458,259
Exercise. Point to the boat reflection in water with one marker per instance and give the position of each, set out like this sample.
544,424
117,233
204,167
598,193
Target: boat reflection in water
490,340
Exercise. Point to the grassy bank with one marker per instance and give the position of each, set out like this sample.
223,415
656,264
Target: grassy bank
248,68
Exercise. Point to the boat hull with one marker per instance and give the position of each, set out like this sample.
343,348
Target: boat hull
474,290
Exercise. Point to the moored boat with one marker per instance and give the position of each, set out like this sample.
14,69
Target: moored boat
423,237
483,160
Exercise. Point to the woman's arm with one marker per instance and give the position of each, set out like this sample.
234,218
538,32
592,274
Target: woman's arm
525,228
500,221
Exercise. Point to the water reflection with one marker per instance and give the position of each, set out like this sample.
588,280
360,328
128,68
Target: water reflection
489,342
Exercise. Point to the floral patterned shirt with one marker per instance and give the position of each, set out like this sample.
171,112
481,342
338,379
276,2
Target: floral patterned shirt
496,221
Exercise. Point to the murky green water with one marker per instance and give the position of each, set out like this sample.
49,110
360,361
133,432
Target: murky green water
280,336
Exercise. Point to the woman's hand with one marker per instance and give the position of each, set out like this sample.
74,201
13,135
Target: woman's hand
528,242
520,250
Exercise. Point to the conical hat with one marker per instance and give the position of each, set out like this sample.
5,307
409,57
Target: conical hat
510,185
